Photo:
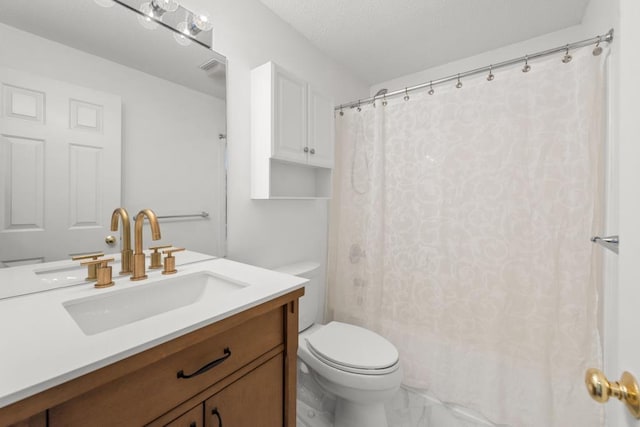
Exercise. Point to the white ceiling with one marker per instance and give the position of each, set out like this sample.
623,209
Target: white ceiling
383,39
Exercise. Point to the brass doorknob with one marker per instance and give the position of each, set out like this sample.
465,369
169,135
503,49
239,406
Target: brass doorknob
110,240
626,390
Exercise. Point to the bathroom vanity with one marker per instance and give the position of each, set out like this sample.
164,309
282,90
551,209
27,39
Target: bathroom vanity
227,358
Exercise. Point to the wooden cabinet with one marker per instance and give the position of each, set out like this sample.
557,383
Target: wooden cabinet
292,136
192,418
246,359
252,401
38,420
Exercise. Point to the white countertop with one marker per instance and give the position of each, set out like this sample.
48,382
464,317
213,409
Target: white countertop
42,346
33,278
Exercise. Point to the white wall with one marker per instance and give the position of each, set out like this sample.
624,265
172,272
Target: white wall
269,233
598,20
169,136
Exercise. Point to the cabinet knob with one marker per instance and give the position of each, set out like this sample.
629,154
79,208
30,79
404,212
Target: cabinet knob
312,151
305,149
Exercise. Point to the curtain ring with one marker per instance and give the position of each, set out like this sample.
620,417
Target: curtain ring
567,58
431,91
384,100
358,107
597,50
341,112
406,94
459,84
526,67
491,76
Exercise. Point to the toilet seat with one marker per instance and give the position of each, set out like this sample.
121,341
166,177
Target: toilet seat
353,349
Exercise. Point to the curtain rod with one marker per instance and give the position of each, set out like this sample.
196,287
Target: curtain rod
608,38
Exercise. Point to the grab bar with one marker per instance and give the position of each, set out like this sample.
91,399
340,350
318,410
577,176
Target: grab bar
609,242
202,214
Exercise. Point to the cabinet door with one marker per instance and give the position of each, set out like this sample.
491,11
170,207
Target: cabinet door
290,117
38,420
321,129
255,400
192,418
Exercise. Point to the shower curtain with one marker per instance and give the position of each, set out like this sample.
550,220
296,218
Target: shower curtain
460,229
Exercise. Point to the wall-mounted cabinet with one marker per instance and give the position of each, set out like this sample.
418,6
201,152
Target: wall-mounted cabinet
292,136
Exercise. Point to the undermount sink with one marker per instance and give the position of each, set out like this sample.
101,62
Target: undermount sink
121,307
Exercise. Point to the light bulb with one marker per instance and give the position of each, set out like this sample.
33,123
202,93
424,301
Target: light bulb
182,38
199,22
154,10
162,6
147,21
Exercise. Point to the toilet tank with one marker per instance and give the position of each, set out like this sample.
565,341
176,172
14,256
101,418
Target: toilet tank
310,302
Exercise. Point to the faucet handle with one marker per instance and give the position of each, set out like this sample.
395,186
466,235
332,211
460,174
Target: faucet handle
91,271
87,256
170,260
156,257
103,271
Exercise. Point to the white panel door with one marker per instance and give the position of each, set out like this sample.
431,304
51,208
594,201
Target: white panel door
622,299
321,129
290,117
60,148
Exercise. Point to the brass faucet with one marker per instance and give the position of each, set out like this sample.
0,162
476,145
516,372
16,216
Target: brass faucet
127,254
138,255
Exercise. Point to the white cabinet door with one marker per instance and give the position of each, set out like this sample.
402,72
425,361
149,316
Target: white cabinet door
290,117
321,129
60,164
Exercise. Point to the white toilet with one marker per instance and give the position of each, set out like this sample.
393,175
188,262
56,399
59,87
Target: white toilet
357,366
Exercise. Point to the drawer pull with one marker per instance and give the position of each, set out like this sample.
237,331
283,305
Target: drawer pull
217,414
206,367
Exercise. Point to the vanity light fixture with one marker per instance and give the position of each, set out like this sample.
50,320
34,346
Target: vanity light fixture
153,11
186,25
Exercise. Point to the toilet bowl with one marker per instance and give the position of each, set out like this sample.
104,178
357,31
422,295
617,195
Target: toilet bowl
358,367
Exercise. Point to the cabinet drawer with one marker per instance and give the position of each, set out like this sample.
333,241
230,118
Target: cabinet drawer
142,396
